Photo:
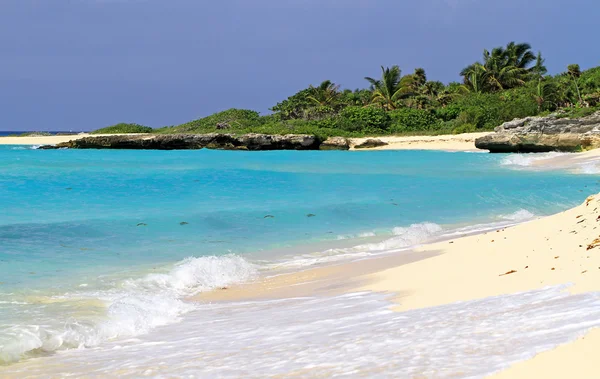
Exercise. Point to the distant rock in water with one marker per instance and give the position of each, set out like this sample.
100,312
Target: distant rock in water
335,143
195,141
184,223
311,215
269,216
371,143
543,134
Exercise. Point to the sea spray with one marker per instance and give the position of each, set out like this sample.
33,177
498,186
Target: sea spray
132,307
528,159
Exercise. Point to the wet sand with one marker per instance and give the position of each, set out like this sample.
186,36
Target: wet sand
560,249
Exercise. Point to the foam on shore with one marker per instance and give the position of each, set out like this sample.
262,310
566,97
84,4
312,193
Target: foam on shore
401,239
132,307
135,306
349,335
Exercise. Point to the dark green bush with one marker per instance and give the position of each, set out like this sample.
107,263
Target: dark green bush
124,128
410,120
486,111
447,113
464,128
364,119
229,119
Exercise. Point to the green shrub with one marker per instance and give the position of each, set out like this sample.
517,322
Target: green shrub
363,119
447,113
464,128
229,119
124,128
410,120
486,111
578,112
31,134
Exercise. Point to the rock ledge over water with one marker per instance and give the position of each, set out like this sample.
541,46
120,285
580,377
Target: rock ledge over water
194,141
543,134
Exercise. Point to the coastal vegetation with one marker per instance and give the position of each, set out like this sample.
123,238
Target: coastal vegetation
508,82
124,128
31,134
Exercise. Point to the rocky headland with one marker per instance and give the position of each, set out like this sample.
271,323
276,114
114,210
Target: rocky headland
544,134
194,141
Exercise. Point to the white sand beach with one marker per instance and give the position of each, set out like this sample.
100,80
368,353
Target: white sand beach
452,142
559,249
458,142
50,140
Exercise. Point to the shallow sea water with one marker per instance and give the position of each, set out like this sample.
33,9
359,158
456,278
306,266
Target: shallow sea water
99,248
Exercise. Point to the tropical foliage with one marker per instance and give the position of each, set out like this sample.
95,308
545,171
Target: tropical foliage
124,128
508,82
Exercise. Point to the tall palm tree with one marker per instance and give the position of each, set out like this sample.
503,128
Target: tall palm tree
476,78
418,79
545,94
574,73
539,69
388,90
325,94
437,94
502,73
502,68
519,55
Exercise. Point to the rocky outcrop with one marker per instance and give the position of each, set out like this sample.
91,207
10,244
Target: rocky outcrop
543,134
370,143
194,141
335,143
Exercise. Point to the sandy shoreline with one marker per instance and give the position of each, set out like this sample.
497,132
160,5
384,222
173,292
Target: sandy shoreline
534,255
459,142
452,142
48,140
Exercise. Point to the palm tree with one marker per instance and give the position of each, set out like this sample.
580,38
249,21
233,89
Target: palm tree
502,68
574,73
519,55
476,78
502,73
538,70
437,94
326,94
545,94
417,80
388,90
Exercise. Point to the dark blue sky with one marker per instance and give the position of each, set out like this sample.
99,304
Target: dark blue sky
84,64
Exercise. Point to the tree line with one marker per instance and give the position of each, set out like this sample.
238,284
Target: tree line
508,82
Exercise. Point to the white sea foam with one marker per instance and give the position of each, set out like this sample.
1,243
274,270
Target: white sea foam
133,307
588,168
404,237
354,335
354,236
520,215
29,147
526,160
136,306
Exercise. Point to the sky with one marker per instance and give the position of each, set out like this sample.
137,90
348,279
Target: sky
85,64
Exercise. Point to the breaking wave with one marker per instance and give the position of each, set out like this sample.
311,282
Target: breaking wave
132,307
526,160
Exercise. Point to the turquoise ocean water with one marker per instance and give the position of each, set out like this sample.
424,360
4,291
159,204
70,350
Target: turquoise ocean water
98,245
